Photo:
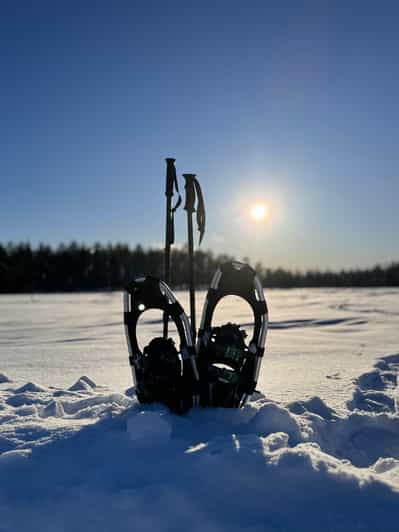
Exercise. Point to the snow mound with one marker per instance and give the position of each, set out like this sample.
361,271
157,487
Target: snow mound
361,438
83,384
53,409
274,418
376,391
4,378
76,461
315,405
30,387
92,406
371,401
372,379
20,399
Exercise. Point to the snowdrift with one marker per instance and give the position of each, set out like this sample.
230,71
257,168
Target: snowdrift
88,459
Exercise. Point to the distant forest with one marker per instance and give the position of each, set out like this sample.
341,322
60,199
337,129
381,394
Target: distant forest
77,267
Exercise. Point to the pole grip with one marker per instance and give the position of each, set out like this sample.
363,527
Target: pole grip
171,178
190,192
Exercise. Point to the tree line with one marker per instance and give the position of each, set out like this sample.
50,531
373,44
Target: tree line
78,267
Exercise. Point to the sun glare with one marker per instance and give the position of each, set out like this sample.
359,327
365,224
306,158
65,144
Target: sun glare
259,212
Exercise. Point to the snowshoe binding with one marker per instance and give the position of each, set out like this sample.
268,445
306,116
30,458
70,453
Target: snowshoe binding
161,372
228,367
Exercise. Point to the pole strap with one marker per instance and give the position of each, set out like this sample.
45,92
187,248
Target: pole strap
195,202
201,216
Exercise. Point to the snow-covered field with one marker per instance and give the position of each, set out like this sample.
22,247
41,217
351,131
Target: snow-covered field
316,449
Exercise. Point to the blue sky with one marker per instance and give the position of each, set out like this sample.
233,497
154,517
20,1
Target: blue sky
292,103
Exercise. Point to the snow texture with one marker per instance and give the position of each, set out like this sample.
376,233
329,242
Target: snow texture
88,457
82,384
95,459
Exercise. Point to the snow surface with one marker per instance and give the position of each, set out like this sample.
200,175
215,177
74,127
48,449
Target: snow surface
319,340
318,449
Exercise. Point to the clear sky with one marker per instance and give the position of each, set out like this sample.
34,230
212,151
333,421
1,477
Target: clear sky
291,103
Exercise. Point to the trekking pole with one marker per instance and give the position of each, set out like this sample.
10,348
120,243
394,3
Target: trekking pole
171,186
193,193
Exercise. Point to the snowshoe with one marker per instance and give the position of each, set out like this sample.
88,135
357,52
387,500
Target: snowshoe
161,372
228,367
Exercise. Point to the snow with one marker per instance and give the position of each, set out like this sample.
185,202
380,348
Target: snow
149,429
320,340
83,383
30,387
101,460
316,449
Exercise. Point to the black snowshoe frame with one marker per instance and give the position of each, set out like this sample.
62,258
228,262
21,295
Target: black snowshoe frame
209,385
145,293
221,387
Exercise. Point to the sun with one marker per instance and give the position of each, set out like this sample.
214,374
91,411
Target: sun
259,212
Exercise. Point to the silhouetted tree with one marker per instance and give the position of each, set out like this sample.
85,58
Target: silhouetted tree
76,267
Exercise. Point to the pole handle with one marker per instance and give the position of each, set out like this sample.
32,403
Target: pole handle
171,179
190,192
